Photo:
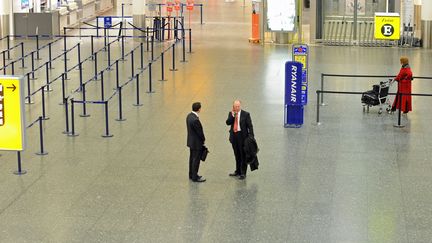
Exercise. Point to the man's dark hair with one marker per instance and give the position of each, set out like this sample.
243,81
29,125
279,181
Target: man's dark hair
196,106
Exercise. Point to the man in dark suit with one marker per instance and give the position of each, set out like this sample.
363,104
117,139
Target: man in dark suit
195,141
240,123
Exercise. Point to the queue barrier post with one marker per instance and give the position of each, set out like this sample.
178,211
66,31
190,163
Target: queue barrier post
42,151
44,117
66,105
120,118
107,134
50,55
47,86
137,91
22,56
37,48
95,66
162,67
152,48
399,99
4,62
102,85
92,47
117,76
28,101
173,58
20,171
13,67
142,56
84,108
63,89
150,78
72,133
190,40
184,49
318,108
132,65
65,66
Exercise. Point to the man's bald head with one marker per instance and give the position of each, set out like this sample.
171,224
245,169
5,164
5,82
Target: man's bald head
236,105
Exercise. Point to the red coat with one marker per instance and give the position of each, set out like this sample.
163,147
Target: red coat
404,79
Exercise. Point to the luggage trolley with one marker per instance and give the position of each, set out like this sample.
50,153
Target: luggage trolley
378,96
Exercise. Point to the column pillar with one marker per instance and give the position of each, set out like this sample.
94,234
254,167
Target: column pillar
138,15
426,23
5,13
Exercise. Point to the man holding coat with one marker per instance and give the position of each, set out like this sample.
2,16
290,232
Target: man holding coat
241,127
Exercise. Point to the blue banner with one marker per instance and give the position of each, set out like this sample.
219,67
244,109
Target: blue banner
293,83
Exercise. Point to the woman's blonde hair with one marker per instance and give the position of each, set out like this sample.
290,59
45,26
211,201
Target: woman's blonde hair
404,60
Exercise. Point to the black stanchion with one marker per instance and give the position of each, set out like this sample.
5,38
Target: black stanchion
37,48
152,48
47,86
72,133
109,57
399,97
120,118
66,105
132,65
162,67
147,38
13,67
41,152
105,39
150,78
122,49
65,66
84,108
107,134
142,56
64,40
97,27
79,52
102,85
22,56
32,64
20,171
80,75
4,62
28,101
95,66
44,117
63,89
8,48
173,59
92,47
137,91
184,49
190,40
117,76
201,13
318,109
50,55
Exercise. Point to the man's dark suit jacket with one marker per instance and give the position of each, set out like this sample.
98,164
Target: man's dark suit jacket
195,133
246,128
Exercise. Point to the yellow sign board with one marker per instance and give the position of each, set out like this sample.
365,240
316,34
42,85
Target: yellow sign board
12,121
387,26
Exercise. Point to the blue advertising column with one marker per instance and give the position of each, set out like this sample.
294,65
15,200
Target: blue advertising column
293,95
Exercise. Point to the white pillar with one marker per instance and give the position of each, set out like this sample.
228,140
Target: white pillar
426,16
5,17
138,14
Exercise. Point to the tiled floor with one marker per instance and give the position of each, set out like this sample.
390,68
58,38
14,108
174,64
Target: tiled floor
354,178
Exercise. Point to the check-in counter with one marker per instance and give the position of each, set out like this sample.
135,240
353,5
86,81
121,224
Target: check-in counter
88,8
46,23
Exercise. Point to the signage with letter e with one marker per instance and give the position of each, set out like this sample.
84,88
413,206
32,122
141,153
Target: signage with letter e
387,26
12,121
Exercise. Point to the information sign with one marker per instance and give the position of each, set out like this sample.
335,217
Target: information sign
387,26
107,22
12,121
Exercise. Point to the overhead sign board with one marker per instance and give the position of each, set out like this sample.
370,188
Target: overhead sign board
387,26
12,121
281,15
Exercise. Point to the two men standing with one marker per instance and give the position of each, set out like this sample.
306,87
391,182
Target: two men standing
241,128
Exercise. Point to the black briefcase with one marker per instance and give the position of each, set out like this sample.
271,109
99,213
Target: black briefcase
204,153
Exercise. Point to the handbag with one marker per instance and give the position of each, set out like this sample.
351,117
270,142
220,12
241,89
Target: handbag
204,153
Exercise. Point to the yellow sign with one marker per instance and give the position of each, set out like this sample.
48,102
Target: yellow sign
12,122
302,60
387,26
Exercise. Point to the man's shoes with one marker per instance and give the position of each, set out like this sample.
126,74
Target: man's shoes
234,174
200,179
242,177
190,178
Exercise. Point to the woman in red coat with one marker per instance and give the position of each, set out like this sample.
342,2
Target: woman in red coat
404,78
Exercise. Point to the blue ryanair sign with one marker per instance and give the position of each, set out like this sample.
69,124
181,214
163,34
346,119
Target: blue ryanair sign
293,83
294,104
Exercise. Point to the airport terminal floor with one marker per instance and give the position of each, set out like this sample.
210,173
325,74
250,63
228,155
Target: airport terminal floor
353,178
